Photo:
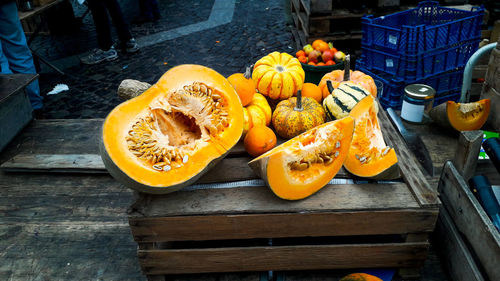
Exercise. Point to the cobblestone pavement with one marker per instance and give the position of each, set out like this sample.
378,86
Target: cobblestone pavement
257,28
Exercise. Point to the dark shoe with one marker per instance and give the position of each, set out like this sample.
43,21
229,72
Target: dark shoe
97,55
130,46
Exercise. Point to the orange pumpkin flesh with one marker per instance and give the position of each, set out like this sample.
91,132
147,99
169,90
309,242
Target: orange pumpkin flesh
170,135
462,116
369,156
360,277
303,165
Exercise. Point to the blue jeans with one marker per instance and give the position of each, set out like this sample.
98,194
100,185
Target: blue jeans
15,56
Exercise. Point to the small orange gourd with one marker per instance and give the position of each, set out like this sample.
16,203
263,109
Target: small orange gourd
296,115
369,156
258,112
338,76
259,139
175,131
303,165
310,90
244,86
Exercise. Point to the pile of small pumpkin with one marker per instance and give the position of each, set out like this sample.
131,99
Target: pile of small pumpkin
167,137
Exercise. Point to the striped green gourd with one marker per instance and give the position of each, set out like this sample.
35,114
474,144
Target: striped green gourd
341,100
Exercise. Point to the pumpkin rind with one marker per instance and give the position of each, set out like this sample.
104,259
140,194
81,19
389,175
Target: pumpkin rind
278,75
360,277
289,122
141,135
303,165
369,156
461,116
343,99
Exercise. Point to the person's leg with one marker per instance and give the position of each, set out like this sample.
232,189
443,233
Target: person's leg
101,21
119,22
16,52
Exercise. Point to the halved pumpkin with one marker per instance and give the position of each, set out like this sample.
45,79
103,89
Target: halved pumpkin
369,156
170,135
303,165
462,116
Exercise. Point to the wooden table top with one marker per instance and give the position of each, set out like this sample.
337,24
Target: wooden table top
13,83
73,226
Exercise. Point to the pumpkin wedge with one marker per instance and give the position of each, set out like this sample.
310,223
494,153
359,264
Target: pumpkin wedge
167,137
461,116
303,165
369,156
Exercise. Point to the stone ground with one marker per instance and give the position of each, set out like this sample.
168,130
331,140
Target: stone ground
257,28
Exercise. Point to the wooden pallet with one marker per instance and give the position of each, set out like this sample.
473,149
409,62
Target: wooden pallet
247,228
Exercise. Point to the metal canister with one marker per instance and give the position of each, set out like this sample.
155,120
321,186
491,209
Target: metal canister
417,101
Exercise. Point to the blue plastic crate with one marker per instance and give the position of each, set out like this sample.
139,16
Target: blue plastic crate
416,67
421,29
445,84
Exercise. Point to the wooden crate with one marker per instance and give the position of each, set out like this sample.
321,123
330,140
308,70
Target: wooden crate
469,241
205,229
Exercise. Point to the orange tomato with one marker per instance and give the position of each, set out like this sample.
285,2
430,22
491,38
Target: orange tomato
330,62
320,63
311,63
303,59
322,46
317,42
300,53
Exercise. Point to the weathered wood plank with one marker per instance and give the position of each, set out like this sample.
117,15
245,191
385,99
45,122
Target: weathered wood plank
471,220
282,225
260,199
467,153
408,165
55,162
457,257
282,258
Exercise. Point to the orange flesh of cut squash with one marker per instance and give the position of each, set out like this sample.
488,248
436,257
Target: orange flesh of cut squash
369,156
167,137
303,165
468,116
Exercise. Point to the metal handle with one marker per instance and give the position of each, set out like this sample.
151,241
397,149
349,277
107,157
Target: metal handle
396,120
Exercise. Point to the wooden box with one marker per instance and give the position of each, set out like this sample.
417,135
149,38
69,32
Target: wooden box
228,228
468,240
15,107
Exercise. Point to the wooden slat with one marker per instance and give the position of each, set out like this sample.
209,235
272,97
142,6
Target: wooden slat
282,258
55,162
260,199
198,228
471,220
469,145
456,256
408,165
13,83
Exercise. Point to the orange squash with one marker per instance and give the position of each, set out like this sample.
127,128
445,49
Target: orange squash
258,112
167,137
338,76
278,75
360,277
259,139
303,165
461,116
369,156
310,90
244,86
296,115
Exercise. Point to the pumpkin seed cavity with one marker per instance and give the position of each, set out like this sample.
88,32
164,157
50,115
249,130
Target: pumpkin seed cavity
176,124
470,110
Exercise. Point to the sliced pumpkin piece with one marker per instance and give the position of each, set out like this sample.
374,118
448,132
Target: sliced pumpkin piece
369,156
170,135
461,116
303,165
